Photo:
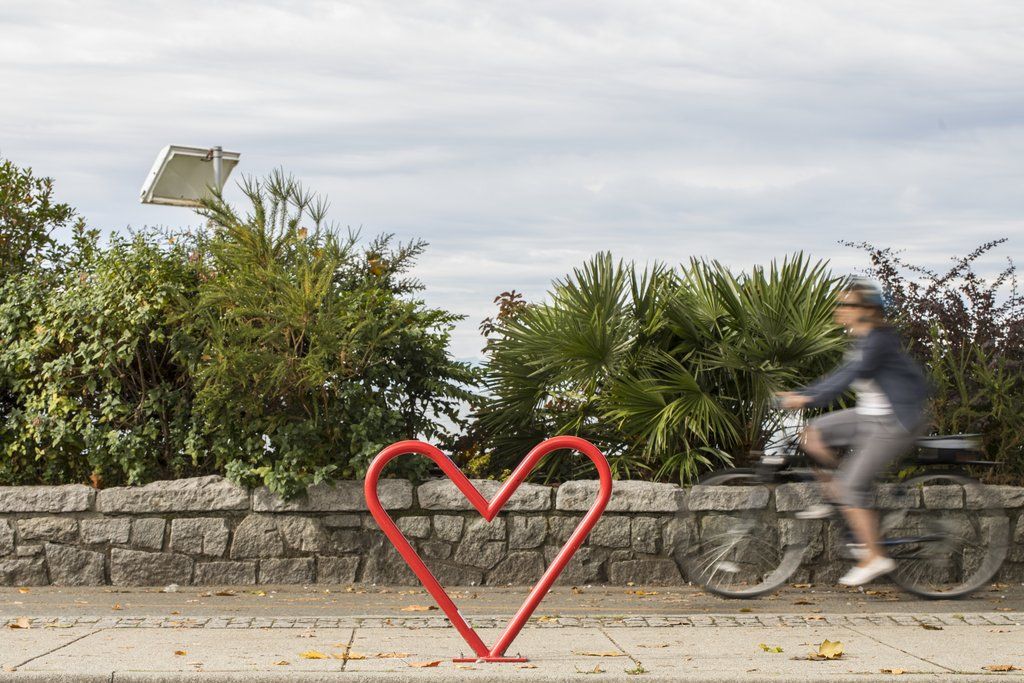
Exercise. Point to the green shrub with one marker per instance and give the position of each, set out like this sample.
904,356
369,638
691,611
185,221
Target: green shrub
274,349
92,357
668,371
316,354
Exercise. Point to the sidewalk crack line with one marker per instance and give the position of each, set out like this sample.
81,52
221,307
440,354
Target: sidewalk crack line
59,647
900,649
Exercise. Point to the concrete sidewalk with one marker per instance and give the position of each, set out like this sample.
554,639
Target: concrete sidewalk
611,643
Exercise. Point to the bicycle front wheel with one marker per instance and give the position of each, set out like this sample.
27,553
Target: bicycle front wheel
948,533
737,553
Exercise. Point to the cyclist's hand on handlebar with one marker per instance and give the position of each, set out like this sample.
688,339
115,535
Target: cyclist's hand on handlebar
790,400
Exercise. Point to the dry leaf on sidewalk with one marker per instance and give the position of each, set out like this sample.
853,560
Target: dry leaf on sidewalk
20,622
226,594
466,667
652,645
313,654
392,655
641,593
931,627
117,606
596,670
23,591
770,648
426,665
828,649
181,653
283,662
349,655
527,666
1001,667
894,672
609,653
419,608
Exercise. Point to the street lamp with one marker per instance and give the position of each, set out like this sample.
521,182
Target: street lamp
183,176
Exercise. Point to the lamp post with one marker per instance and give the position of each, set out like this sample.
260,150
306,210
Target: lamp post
184,176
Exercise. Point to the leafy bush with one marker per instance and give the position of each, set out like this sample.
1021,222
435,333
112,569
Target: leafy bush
968,331
316,355
93,360
274,349
666,370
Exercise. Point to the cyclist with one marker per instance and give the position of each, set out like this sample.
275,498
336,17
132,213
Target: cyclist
891,391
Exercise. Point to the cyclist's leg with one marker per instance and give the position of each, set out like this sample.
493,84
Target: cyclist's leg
820,439
880,441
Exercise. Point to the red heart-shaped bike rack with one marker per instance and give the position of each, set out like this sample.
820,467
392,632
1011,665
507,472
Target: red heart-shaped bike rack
488,509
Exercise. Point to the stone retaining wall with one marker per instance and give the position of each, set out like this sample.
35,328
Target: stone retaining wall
209,531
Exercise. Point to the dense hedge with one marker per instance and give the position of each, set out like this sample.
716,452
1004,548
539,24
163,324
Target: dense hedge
275,348
670,369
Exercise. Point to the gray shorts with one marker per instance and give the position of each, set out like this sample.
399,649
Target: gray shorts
874,442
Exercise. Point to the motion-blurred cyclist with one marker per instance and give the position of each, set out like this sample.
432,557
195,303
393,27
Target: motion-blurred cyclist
891,391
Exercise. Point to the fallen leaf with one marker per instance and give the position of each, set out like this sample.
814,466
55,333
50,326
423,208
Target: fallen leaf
655,645
596,670
641,593
609,653
181,653
283,662
349,655
466,667
827,650
261,594
1004,609
313,654
746,609
226,594
1001,667
894,672
391,655
24,590
419,608
21,622
527,666
545,620
117,606
426,665
931,627
804,602
175,613
770,648
801,585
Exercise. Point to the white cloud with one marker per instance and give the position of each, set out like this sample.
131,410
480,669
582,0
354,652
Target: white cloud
520,137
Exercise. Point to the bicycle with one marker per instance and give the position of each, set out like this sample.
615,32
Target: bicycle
948,533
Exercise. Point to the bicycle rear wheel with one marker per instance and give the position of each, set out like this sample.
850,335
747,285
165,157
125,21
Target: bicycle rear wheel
736,553
948,534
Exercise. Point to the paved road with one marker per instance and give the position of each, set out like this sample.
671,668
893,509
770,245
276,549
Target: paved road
637,633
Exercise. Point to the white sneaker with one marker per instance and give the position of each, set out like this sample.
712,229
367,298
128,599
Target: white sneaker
858,576
817,511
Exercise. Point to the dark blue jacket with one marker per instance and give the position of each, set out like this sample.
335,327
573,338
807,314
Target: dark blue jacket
877,356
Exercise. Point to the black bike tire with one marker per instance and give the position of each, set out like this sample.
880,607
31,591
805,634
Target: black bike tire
995,555
789,560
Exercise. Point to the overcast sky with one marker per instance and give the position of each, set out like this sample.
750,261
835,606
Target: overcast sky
520,137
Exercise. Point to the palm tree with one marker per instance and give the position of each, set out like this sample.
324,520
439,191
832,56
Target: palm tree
668,370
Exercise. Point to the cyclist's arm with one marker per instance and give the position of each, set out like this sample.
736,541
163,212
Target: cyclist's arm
830,387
